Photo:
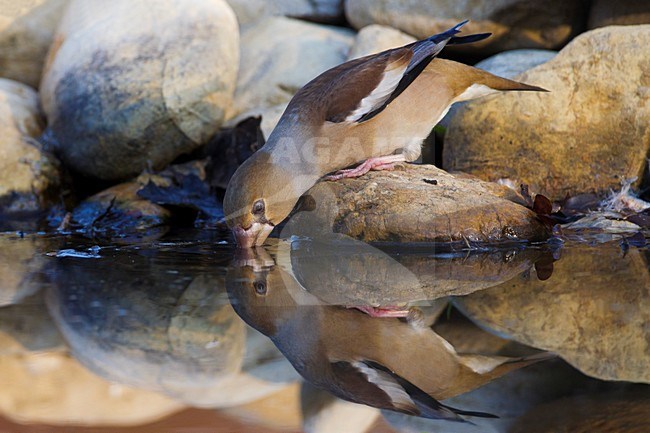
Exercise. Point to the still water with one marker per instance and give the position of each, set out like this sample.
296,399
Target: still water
186,334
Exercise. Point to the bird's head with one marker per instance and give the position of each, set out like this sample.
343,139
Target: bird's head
260,195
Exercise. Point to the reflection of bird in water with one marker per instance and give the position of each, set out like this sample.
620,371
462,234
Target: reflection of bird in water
385,363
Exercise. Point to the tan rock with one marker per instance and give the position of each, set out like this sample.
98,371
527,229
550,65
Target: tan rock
29,177
587,134
26,32
377,38
513,23
117,102
280,55
250,11
416,204
53,388
593,311
618,13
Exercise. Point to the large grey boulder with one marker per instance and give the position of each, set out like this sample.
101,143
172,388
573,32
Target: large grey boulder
119,101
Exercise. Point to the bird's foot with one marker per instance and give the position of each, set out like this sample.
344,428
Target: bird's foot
375,164
383,312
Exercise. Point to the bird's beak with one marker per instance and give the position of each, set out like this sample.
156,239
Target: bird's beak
253,236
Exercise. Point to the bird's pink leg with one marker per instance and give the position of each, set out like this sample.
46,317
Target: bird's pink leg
376,164
383,311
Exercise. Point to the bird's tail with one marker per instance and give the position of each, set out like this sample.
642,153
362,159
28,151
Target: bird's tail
491,82
483,369
504,84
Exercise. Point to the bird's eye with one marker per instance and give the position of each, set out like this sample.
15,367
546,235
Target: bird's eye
260,288
258,208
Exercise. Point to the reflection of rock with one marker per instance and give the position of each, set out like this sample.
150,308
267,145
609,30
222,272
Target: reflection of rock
376,38
330,346
586,134
28,327
280,55
52,388
149,319
604,13
149,324
593,311
279,411
20,262
344,271
416,204
28,175
26,32
119,101
509,396
619,411
513,23
325,413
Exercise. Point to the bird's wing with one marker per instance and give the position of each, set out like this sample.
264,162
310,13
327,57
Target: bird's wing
361,383
401,394
375,81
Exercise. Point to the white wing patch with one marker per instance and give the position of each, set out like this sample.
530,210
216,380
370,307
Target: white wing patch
386,383
475,91
472,92
389,81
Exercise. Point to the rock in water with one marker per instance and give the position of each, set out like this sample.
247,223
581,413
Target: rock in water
26,32
587,134
29,177
593,311
418,204
131,84
513,23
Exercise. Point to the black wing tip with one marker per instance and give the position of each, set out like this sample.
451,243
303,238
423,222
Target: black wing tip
447,34
459,25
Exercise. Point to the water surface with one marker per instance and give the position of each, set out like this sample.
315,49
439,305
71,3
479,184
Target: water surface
137,333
